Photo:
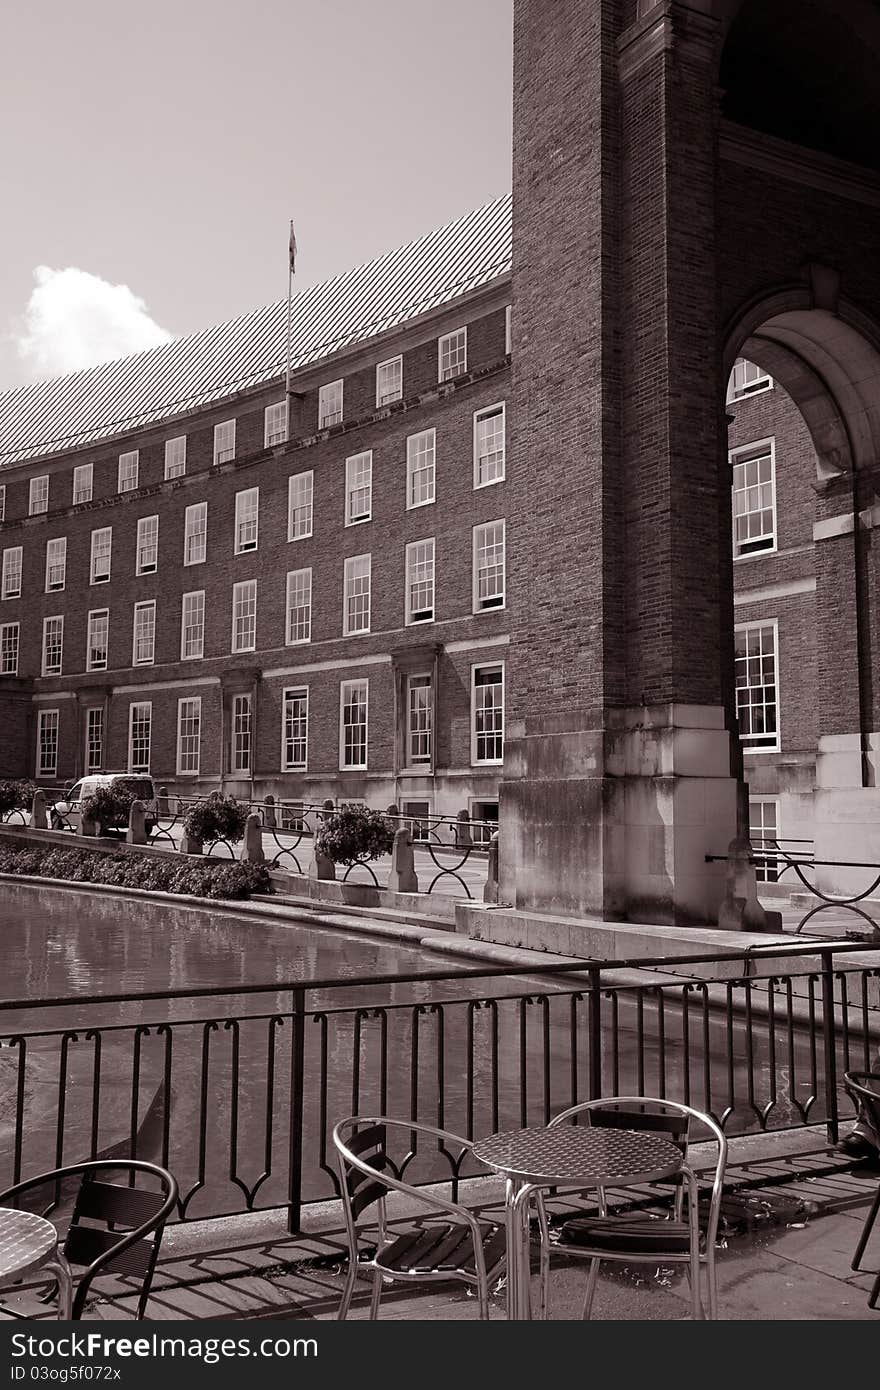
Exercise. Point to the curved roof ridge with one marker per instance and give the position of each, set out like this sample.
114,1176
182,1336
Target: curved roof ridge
94,403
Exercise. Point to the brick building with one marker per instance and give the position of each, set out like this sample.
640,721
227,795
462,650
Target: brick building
471,576
309,611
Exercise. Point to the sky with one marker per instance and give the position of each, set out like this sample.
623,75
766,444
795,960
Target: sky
152,156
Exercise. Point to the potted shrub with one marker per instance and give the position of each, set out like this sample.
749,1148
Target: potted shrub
218,817
355,835
15,795
108,809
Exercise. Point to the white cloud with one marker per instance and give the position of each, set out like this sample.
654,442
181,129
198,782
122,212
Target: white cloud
74,319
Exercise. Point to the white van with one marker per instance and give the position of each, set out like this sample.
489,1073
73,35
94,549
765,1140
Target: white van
66,814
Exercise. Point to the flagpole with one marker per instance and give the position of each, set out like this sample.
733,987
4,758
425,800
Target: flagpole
291,271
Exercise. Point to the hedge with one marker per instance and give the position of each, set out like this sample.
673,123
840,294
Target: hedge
205,880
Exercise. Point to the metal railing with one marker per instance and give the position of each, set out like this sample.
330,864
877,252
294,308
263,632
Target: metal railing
237,1090
776,855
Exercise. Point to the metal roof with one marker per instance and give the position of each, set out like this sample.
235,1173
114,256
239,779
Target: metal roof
132,392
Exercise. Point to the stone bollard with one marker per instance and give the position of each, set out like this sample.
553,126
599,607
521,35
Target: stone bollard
162,802
402,876
269,816
88,827
190,845
39,819
463,838
136,834
322,866
490,887
741,910
252,844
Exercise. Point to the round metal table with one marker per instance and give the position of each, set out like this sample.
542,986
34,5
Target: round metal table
566,1156
29,1243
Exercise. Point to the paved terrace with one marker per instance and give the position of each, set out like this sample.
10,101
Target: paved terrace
793,1213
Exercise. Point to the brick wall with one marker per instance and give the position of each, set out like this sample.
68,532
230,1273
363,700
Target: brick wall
449,408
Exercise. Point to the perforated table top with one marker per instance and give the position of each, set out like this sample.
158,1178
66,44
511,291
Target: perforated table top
571,1154
27,1241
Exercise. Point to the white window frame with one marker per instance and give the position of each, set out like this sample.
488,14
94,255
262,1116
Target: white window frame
275,433
288,695
12,566
749,747
300,483
241,726
94,577
147,543
247,520
58,562
127,471
2,501
144,616
490,607
486,666
358,481
411,731
89,763
192,626
38,495
10,644
385,395
224,442
345,689
740,457
96,616
45,668
508,330
175,457
412,559
453,346
741,385
140,706
195,527
53,718
83,484
299,585
245,591
764,871
351,576
490,412
419,448
327,395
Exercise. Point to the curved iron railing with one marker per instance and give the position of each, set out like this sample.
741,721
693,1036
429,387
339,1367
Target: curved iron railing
250,1081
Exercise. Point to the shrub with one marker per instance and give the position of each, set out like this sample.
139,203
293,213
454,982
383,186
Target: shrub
217,818
108,806
15,795
166,875
355,833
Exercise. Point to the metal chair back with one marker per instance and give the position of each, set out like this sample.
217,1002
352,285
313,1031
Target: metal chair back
114,1228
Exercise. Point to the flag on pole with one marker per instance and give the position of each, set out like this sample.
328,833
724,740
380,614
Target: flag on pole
292,249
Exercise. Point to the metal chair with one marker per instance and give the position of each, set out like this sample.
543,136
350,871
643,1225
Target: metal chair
637,1237
114,1229
459,1247
864,1089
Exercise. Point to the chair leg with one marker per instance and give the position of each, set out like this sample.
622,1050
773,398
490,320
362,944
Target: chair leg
866,1230
347,1291
483,1299
875,1293
592,1281
376,1295
712,1285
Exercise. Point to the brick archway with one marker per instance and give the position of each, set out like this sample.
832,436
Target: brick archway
648,227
